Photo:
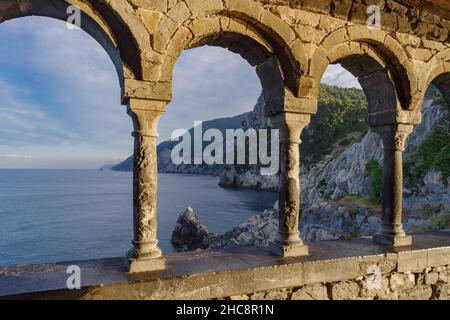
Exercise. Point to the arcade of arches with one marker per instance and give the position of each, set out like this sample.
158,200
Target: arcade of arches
290,43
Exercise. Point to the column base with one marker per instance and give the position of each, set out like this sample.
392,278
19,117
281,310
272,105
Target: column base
290,251
146,265
394,241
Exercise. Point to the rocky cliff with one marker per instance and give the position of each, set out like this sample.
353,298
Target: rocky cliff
336,191
341,174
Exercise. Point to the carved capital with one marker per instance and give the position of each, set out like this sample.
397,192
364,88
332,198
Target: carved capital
290,125
146,115
394,136
400,140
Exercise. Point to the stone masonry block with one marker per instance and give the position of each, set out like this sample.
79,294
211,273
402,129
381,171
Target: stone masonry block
317,291
413,261
204,8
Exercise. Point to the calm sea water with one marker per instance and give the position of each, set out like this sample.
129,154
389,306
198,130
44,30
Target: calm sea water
61,215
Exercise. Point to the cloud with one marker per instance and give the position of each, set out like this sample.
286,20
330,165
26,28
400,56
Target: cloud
25,123
15,156
336,75
209,82
61,95
59,88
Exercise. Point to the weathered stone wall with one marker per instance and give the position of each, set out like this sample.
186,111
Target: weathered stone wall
400,16
428,284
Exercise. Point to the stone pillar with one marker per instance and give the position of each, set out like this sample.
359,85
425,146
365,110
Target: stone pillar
145,255
391,230
288,242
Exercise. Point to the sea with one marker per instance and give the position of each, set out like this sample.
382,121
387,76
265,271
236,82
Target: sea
69,215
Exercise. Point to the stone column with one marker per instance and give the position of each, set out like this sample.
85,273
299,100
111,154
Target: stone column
288,242
145,255
391,230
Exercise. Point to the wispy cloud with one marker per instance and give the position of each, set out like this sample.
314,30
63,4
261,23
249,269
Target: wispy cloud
59,88
61,96
209,82
336,75
15,156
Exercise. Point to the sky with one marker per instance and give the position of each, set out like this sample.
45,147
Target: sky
60,96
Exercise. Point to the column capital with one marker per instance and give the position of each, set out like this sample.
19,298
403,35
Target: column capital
146,115
290,119
394,136
290,125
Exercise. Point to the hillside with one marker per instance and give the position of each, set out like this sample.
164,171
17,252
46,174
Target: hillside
165,148
341,116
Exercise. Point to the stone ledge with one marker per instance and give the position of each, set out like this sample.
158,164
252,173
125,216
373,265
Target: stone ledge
217,274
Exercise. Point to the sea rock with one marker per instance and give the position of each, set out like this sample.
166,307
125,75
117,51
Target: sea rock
258,230
189,234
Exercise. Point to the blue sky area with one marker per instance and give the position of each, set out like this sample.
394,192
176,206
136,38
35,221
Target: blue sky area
60,97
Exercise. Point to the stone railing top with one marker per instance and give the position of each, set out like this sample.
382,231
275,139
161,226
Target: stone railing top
215,274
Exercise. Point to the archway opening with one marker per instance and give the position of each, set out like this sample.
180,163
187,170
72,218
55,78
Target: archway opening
427,165
63,124
227,93
348,183
442,84
336,198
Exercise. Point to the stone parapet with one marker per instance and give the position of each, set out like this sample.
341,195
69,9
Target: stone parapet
342,269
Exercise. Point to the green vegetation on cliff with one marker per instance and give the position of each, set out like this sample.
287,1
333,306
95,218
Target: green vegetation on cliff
340,111
375,171
432,154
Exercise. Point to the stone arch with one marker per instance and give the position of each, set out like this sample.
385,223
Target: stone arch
238,37
439,75
194,23
106,23
442,82
368,66
437,72
377,49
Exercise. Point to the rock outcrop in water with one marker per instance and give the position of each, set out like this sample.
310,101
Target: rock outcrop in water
189,234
